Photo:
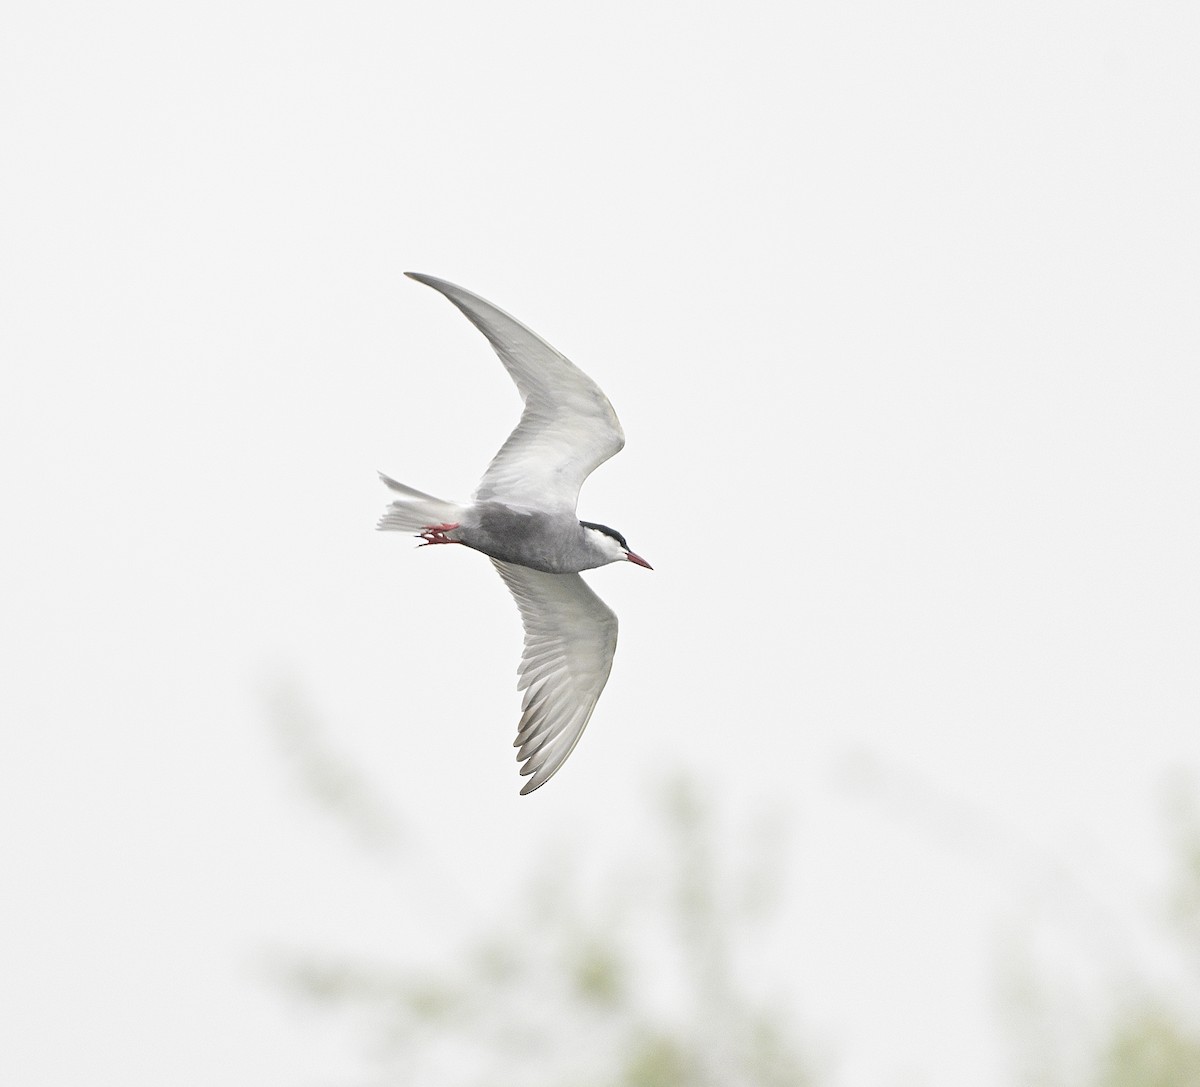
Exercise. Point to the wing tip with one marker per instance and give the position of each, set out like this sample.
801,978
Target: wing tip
532,785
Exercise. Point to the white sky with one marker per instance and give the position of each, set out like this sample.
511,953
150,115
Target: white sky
898,307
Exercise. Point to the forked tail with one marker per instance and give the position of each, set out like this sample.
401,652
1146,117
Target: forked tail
413,510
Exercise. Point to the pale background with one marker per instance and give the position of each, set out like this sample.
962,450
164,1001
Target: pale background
898,306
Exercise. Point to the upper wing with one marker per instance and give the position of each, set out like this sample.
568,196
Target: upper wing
570,639
568,427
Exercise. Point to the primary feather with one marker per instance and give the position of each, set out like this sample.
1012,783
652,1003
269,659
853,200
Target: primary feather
568,428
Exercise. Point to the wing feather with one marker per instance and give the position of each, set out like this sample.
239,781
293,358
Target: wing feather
570,639
568,427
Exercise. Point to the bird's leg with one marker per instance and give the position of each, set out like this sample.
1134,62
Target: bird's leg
436,534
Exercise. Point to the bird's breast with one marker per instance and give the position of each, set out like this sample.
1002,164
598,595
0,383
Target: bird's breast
533,538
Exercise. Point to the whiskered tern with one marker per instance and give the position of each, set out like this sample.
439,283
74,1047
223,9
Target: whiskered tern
523,517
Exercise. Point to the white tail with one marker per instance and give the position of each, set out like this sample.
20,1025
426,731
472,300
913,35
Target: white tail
414,510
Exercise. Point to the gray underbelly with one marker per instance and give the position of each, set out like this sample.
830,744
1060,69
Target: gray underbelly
528,538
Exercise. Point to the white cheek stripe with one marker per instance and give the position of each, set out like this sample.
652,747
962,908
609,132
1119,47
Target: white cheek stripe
607,544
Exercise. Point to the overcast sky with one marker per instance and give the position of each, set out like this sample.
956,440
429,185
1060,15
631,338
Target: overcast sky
898,307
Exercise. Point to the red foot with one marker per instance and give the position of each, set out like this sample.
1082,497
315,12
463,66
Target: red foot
436,534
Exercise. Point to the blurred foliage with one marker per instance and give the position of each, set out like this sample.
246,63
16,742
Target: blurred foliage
570,990
328,779
1184,816
1153,1040
1150,1034
1149,1048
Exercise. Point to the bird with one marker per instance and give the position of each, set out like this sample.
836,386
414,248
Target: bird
523,516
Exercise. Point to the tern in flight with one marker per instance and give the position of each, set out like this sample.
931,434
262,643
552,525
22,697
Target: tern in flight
523,517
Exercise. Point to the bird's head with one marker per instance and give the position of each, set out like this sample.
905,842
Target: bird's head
611,544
